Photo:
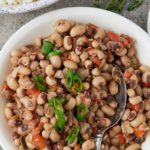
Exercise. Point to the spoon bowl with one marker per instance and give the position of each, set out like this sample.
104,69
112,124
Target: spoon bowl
121,99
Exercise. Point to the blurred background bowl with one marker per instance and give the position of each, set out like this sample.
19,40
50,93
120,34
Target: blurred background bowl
22,8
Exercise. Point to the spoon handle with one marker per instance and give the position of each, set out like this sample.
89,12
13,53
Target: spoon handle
99,141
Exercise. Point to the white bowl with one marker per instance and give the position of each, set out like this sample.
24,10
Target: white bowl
22,8
43,25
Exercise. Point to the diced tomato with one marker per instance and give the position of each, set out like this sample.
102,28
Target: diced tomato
92,26
77,147
34,91
95,130
6,87
145,85
89,49
138,133
113,36
38,141
122,139
129,39
127,74
96,61
135,107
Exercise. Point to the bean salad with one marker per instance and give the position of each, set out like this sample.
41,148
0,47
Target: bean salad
62,89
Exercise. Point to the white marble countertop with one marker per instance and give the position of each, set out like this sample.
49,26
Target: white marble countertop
10,23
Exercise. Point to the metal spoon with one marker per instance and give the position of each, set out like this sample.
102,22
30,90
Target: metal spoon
121,99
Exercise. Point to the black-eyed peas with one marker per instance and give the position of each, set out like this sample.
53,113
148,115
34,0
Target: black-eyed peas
63,87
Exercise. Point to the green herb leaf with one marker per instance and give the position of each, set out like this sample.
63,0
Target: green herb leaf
56,104
47,47
80,139
82,111
69,79
56,101
55,53
60,123
72,135
75,80
40,83
134,4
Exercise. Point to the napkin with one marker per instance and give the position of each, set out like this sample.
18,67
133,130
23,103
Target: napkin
148,24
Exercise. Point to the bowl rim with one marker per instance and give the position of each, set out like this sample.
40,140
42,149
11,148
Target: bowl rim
38,19
23,8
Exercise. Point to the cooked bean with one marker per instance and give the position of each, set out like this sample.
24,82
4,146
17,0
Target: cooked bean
8,112
25,60
12,82
24,70
146,77
147,105
131,52
86,85
104,122
121,51
96,44
53,121
54,136
126,128
114,141
132,115
99,113
28,103
88,145
40,110
50,81
62,26
34,65
113,88
147,114
44,63
100,33
70,64
138,90
84,56
74,57
41,99
134,146
40,56
108,110
135,100
70,104
68,43
27,115
20,92
66,148
131,93
56,61
96,71
144,68
82,41
99,81
126,114
25,83
113,104
49,70
59,74
45,134
88,64
38,42
138,120
16,53
77,30
14,60
56,39
114,131
125,61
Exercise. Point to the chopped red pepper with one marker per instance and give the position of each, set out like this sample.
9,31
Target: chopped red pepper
96,61
127,74
129,39
135,107
138,133
145,85
89,49
6,87
113,36
34,91
122,139
77,147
